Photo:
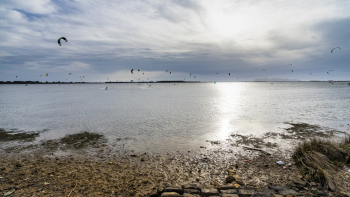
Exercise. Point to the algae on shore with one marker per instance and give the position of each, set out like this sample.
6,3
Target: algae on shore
12,136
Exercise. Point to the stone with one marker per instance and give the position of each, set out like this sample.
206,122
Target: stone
300,183
231,172
226,187
246,192
320,193
238,179
189,186
170,194
277,188
229,195
209,192
160,189
236,185
267,192
178,190
287,192
229,179
229,191
216,184
191,195
277,195
192,191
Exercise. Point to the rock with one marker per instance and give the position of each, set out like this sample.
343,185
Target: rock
192,191
226,187
277,195
154,193
216,184
236,185
287,192
278,188
238,179
170,194
229,191
231,172
174,189
189,186
209,192
300,183
266,192
142,159
191,195
229,195
229,179
133,155
160,189
320,193
246,192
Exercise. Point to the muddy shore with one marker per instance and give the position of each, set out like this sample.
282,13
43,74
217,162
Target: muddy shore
90,167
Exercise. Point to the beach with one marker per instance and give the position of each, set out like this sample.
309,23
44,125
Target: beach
90,167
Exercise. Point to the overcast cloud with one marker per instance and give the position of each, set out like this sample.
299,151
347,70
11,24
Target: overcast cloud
106,39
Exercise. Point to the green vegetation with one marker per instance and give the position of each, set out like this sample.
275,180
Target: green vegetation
321,160
12,136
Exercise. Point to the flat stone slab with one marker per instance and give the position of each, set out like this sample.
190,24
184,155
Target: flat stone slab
246,192
192,191
170,194
209,192
174,189
191,195
287,192
229,195
265,191
278,188
189,186
229,191
225,187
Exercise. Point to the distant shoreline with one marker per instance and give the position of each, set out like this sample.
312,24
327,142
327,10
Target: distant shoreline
180,81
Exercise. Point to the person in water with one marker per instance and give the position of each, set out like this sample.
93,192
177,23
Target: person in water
106,88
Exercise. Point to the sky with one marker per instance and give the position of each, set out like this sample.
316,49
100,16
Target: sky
195,40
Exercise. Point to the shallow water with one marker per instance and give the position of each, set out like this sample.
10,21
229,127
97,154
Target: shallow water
168,117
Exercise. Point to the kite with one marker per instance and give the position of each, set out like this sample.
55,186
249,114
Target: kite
289,65
41,75
16,76
132,71
47,74
59,40
229,74
70,73
335,48
291,70
166,71
310,74
263,69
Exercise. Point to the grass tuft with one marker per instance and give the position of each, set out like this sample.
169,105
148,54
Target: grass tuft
321,160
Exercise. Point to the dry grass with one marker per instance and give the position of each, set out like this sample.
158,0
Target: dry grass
320,160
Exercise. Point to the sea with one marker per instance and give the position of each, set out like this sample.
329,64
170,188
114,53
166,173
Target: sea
161,117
